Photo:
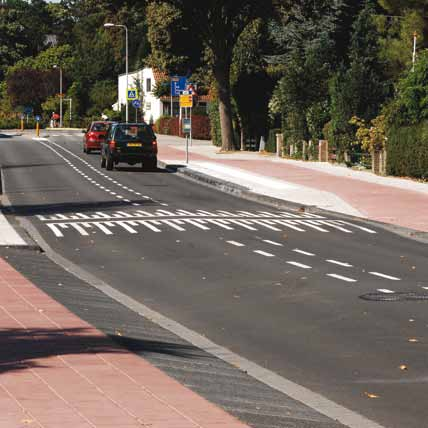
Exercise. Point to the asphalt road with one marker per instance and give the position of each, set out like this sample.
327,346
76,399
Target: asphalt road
282,289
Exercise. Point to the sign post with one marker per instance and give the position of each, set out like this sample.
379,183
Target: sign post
22,121
136,104
38,117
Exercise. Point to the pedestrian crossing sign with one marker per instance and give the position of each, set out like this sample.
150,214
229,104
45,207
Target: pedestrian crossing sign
132,94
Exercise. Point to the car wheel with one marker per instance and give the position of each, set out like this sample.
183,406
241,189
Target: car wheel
88,151
84,149
103,162
109,163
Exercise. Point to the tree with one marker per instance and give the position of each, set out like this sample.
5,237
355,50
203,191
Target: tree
215,27
23,91
361,88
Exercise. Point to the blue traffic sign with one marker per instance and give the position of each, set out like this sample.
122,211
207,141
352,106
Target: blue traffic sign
28,110
38,118
178,85
132,94
136,103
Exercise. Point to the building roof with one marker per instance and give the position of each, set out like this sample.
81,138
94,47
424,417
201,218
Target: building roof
159,75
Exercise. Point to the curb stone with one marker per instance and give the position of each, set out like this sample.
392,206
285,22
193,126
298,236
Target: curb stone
243,192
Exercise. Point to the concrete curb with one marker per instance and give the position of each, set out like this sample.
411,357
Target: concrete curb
243,192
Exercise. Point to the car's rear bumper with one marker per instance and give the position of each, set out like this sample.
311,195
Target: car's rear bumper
133,157
93,145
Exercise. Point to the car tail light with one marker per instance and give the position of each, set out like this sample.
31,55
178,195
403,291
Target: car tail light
155,146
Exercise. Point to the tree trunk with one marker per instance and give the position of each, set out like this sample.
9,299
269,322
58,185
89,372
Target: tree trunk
222,76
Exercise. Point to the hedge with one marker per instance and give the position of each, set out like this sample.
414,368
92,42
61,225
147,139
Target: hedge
201,127
407,151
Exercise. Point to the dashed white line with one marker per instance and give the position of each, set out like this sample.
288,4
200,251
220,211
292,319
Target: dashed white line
342,278
277,244
264,253
300,265
385,291
382,275
296,250
236,244
335,262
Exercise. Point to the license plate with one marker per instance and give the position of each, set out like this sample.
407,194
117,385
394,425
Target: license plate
134,144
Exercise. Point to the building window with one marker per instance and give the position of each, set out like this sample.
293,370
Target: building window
148,106
148,85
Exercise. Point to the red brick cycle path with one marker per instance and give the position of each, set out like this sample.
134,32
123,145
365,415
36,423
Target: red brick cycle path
378,202
58,371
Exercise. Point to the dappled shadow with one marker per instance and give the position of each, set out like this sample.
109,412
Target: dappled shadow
24,349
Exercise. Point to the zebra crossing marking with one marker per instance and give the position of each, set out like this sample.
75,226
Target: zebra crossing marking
180,220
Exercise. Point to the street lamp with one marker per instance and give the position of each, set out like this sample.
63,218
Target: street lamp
110,25
60,94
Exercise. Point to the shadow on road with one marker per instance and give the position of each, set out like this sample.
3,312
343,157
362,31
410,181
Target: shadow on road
22,348
73,207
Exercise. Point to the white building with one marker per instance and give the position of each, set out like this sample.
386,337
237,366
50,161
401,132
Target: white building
153,108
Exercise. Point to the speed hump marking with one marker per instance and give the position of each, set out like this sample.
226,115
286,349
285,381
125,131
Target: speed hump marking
132,94
186,100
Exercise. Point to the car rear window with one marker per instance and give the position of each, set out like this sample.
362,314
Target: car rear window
99,127
134,133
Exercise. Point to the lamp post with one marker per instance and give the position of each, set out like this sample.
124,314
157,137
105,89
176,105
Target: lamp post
60,94
110,25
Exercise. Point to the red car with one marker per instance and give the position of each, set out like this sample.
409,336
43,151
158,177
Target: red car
94,136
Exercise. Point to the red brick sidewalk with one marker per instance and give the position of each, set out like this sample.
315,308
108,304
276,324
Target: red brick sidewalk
378,202
58,371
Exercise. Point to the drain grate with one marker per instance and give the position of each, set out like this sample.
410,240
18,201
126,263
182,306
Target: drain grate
394,297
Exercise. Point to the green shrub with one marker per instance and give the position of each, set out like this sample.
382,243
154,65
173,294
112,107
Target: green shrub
407,149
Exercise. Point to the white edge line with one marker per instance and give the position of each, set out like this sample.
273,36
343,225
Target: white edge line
385,291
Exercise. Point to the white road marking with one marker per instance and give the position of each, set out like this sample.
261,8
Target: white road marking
342,278
296,250
236,244
300,265
382,275
365,229
335,262
55,230
332,224
173,225
219,223
243,223
264,253
385,291
126,226
277,244
264,223
425,288
103,228
149,225
195,223
290,224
